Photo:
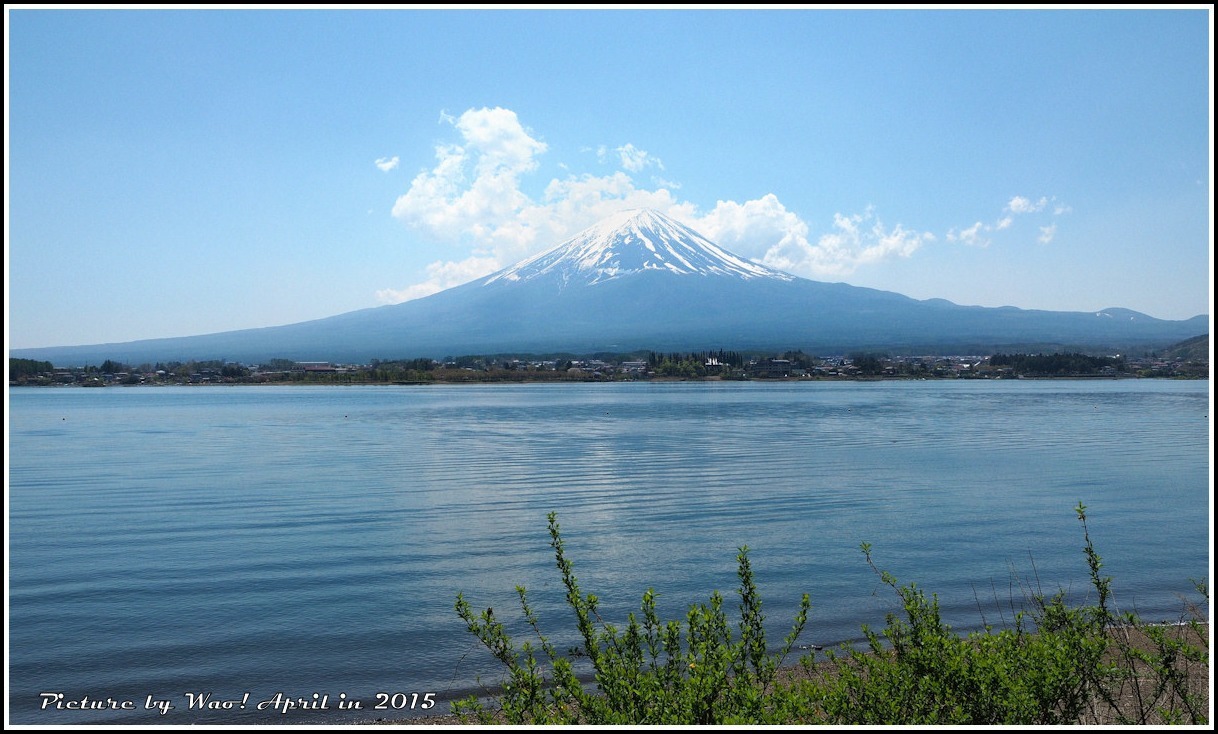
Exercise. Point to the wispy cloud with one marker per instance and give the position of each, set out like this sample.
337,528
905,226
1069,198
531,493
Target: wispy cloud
1023,205
387,164
974,235
977,235
636,160
440,275
472,198
765,230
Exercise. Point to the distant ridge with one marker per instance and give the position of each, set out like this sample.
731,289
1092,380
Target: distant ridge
641,280
1196,349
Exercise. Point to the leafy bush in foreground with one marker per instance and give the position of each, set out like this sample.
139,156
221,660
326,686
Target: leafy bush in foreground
1058,664
651,672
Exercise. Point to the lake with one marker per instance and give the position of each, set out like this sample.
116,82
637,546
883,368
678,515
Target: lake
235,543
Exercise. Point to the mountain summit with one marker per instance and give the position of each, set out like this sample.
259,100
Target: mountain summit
640,280
633,241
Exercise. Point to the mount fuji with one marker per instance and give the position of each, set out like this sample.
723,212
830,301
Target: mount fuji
640,280
631,242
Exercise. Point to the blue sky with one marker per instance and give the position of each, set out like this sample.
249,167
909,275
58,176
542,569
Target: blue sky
184,172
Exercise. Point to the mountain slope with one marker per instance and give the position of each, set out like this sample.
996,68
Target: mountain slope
1196,349
640,280
630,242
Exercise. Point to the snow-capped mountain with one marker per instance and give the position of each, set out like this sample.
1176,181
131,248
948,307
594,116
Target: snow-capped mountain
630,242
639,280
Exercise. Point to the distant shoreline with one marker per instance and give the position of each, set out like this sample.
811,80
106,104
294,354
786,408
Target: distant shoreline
497,380
717,366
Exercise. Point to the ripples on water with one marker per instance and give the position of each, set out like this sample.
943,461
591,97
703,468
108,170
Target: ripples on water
165,540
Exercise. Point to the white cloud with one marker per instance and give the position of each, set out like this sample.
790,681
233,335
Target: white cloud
474,187
636,160
1017,205
441,275
896,242
387,164
757,229
472,199
971,235
498,136
765,230
853,243
1022,205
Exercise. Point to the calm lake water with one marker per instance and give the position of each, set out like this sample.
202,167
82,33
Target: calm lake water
310,541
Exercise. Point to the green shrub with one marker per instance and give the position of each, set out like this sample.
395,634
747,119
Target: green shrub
917,671
1057,664
651,672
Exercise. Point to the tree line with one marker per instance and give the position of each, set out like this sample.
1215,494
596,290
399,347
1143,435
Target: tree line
1057,364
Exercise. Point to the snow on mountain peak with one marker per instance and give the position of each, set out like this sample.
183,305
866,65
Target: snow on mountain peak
632,241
